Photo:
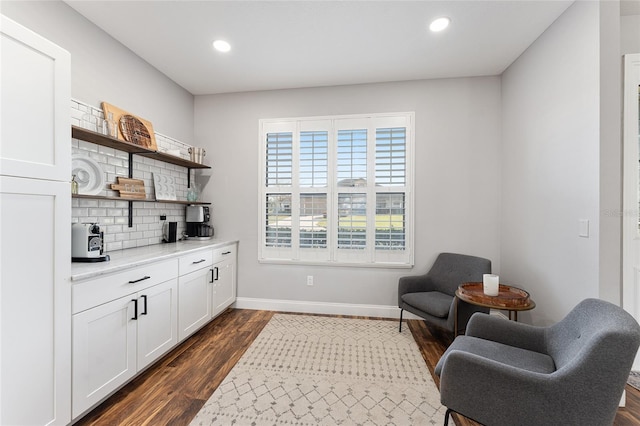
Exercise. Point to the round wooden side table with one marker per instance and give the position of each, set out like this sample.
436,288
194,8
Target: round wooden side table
509,298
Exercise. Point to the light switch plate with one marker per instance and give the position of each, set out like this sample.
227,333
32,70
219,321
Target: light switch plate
583,228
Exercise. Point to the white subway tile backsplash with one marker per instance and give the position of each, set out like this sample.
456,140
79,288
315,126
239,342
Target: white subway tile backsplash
106,220
87,146
107,151
122,154
113,214
128,244
122,171
114,229
116,162
88,203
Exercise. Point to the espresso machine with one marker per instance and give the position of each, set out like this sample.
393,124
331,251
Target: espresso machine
198,227
87,243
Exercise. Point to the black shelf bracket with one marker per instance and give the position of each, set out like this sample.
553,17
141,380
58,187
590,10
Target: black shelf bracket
130,202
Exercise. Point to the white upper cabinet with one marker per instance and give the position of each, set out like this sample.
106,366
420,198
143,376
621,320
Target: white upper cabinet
35,126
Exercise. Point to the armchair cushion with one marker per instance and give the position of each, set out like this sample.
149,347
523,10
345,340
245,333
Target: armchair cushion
509,355
432,302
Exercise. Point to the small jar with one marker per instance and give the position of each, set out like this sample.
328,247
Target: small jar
74,185
112,126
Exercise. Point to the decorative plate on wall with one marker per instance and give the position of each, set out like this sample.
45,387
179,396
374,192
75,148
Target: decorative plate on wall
165,187
89,175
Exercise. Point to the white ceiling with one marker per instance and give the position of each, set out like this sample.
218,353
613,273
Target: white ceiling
290,44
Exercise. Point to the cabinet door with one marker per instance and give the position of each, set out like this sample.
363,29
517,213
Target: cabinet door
224,284
35,76
194,310
104,351
35,302
157,321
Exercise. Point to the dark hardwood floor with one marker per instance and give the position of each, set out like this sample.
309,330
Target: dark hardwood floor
173,390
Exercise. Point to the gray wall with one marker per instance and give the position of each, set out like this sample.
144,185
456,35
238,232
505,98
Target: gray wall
630,34
102,69
551,156
457,178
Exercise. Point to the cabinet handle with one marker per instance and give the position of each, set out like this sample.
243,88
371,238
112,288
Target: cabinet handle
199,261
217,271
144,296
141,279
212,279
135,309
226,252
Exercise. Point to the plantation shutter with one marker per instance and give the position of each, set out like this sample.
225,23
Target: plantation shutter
337,190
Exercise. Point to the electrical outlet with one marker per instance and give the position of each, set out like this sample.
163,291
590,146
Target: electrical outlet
309,279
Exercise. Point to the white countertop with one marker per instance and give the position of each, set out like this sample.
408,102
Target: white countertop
130,258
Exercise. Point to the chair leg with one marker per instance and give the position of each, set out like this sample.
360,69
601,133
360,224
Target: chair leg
446,417
400,326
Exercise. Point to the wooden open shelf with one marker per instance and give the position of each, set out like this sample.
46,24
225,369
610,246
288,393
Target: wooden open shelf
136,200
104,140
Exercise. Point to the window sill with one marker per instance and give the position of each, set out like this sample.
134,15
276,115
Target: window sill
387,265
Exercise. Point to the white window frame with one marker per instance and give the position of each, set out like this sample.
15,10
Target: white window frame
370,256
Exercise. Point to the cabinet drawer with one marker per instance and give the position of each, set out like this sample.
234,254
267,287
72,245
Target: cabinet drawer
94,292
224,253
194,261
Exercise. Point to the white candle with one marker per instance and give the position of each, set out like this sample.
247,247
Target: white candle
490,284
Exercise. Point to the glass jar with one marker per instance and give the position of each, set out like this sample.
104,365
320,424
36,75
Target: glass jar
192,194
74,185
112,126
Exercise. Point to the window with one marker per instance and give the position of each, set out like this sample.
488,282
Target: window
337,190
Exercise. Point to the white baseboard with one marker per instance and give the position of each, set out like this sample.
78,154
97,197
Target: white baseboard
380,311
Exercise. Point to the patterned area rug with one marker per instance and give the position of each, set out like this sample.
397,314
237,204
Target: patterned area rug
634,379
311,370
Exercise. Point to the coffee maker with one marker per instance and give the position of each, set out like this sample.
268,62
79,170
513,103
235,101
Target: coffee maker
87,243
198,223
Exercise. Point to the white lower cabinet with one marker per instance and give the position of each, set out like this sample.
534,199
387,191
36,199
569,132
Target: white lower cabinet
104,352
207,286
224,280
195,301
157,321
125,320
115,340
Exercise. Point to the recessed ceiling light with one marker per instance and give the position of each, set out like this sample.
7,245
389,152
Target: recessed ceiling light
221,46
439,24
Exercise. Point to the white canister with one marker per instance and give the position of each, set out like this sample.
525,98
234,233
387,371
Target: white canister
491,284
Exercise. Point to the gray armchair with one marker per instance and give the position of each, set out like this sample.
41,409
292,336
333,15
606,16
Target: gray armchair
431,296
571,373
